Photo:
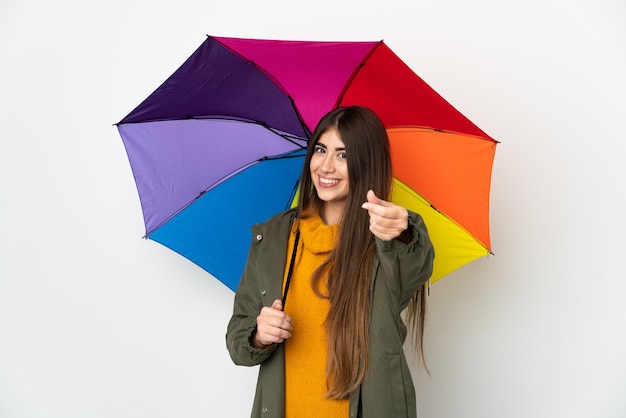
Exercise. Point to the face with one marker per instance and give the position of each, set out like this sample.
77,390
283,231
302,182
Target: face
329,172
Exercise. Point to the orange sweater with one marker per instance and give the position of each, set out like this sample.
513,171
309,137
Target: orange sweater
306,350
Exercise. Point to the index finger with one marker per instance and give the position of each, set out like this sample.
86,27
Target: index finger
383,208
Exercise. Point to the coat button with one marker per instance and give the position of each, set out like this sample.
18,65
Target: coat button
265,410
263,292
259,237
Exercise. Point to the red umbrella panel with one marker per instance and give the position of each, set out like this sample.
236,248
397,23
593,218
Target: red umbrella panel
240,111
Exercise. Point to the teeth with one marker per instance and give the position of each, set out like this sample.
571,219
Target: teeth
328,181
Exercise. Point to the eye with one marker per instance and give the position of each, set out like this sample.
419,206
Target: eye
319,149
342,155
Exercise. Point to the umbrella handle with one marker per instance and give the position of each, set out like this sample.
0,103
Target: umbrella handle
291,263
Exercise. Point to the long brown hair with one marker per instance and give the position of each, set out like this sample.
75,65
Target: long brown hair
349,265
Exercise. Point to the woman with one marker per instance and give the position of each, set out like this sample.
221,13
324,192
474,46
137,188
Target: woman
350,262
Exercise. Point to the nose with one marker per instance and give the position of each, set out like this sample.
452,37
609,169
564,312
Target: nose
328,165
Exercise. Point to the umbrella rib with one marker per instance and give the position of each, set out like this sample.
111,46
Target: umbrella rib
290,154
412,128
354,73
286,136
274,81
186,205
459,226
402,185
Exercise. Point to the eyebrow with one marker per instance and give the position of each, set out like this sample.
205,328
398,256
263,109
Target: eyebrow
326,148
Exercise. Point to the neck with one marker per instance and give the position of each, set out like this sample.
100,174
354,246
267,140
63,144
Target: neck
331,213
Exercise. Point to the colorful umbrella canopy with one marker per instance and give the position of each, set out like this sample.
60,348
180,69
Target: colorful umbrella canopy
219,146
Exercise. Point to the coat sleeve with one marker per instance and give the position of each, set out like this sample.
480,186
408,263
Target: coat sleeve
407,267
247,306
260,284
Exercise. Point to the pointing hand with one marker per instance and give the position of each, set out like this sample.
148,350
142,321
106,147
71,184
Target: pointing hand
387,220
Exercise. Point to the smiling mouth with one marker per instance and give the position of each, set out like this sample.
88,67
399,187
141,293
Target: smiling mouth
328,182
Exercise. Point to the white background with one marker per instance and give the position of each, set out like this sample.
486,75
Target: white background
96,322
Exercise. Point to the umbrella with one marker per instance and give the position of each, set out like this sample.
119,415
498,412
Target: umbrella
219,146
